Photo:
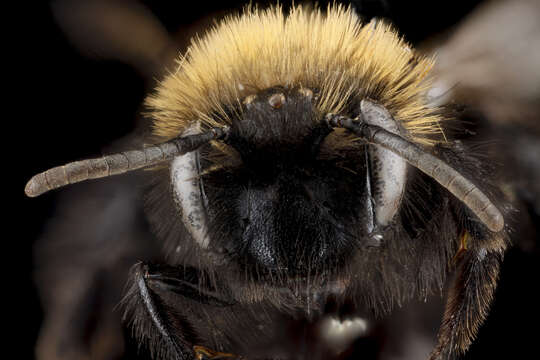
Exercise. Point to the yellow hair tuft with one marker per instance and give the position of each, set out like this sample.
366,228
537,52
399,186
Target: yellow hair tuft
330,51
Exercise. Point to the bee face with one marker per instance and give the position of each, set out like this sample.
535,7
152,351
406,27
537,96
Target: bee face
289,211
344,156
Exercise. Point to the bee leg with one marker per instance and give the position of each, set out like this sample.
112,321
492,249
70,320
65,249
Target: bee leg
152,306
203,353
468,301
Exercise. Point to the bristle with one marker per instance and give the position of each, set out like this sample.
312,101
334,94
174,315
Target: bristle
330,51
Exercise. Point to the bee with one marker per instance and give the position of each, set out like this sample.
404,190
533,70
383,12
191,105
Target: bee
295,160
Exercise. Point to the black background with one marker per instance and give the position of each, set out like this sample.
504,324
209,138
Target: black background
68,106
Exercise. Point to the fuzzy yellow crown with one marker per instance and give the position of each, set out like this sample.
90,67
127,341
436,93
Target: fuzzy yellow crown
330,51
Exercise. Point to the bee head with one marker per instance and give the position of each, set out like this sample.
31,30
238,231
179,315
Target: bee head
284,209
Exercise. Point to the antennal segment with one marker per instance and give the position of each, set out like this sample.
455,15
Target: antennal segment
119,163
444,174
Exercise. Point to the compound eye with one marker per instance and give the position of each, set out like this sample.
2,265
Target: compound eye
388,171
188,192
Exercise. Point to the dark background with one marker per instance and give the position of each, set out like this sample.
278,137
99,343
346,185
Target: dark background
70,106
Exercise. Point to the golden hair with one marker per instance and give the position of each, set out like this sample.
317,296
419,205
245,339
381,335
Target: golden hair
330,51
